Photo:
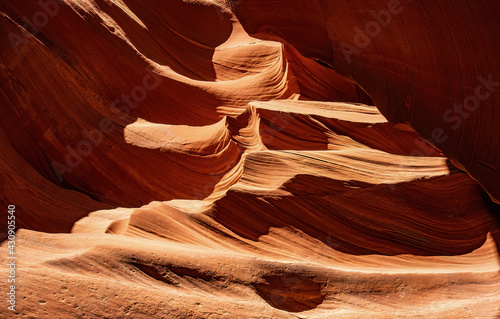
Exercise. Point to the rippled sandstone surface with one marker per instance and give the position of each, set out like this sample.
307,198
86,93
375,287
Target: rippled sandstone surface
251,159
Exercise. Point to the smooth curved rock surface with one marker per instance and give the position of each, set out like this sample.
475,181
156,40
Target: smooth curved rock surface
166,164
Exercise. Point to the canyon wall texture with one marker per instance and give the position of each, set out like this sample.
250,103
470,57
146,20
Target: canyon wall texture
250,159
426,63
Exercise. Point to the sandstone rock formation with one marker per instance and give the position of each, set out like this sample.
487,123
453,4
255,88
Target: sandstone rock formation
223,159
429,64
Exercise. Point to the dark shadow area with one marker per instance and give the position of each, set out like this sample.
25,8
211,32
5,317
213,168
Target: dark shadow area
307,185
290,292
363,97
169,273
152,272
170,38
322,63
265,20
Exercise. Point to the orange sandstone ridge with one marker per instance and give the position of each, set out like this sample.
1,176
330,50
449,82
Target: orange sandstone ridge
228,159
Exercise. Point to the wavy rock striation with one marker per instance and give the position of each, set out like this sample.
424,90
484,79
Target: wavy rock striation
430,65
166,164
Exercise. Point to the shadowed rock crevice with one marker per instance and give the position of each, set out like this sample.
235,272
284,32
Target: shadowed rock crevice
168,273
290,292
